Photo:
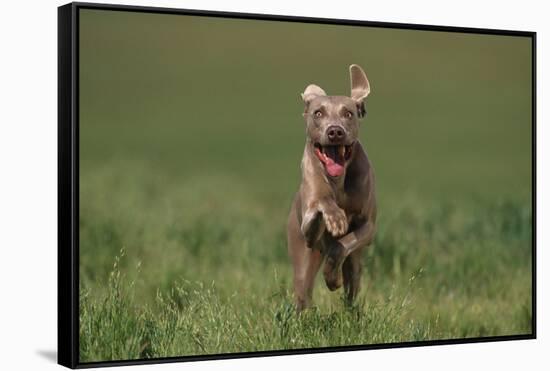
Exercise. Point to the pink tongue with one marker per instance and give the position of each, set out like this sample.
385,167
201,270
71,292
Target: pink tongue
334,168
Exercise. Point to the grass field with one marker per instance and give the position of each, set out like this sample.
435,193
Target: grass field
185,185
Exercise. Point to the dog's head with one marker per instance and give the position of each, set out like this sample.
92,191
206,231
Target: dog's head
333,121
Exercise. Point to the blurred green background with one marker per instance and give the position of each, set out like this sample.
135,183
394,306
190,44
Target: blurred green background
191,137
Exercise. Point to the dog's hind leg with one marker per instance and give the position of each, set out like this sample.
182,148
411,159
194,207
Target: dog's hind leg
306,262
304,277
352,269
334,260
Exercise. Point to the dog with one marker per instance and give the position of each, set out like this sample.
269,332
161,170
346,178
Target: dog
333,215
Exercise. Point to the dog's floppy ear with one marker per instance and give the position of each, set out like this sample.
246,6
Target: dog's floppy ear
360,87
312,91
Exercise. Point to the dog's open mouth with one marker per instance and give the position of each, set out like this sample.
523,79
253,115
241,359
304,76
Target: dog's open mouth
334,157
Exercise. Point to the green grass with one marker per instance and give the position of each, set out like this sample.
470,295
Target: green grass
185,185
203,273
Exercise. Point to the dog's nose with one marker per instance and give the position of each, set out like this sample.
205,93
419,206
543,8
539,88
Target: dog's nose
335,133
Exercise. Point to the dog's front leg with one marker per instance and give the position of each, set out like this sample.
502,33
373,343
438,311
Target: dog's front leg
361,236
337,250
312,226
335,218
321,215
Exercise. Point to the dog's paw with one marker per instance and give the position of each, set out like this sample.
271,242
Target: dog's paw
336,221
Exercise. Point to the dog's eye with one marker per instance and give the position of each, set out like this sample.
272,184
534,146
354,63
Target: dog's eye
348,115
318,114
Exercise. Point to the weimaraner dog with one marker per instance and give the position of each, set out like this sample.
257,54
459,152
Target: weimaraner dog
333,214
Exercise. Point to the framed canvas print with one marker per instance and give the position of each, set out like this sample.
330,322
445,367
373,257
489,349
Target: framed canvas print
239,185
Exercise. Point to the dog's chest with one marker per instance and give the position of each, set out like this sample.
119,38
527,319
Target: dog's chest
351,203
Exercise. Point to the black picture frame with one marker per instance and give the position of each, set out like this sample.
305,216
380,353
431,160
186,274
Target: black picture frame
68,181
